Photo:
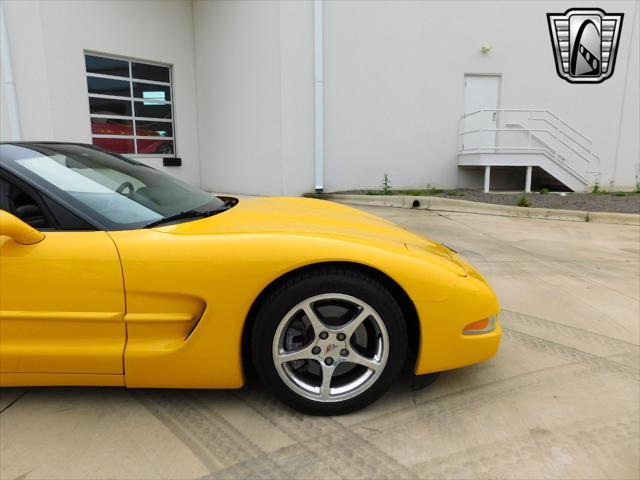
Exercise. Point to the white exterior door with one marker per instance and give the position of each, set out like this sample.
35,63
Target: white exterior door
481,92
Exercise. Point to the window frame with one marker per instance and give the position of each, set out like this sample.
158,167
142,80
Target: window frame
133,118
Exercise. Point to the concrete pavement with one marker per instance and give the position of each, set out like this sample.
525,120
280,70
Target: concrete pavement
560,400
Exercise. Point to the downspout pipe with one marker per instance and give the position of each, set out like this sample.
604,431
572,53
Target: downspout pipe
9,83
318,58
614,172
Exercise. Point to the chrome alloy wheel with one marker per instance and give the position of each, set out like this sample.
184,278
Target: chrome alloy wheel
330,347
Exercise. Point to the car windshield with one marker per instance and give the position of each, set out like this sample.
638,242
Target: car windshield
114,191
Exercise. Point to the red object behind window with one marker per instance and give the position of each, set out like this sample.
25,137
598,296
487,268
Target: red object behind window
116,145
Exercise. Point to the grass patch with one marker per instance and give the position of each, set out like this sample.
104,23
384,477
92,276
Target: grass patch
455,194
422,192
419,192
596,190
524,202
544,191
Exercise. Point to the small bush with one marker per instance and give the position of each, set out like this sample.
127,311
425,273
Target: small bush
524,202
386,185
619,194
596,190
544,191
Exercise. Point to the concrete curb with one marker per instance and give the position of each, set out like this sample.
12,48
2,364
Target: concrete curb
465,206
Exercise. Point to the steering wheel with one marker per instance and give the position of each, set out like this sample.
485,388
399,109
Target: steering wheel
123,186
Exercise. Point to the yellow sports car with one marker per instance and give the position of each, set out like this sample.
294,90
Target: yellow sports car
113,273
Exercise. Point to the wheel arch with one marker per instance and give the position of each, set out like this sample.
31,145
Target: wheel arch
405,303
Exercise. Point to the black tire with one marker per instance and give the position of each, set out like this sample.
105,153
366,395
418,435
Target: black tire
298,288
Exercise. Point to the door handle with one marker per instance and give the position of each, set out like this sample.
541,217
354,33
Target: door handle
493,116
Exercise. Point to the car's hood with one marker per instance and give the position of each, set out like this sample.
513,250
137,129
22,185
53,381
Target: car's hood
306,216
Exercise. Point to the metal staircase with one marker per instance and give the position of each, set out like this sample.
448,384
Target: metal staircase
527,138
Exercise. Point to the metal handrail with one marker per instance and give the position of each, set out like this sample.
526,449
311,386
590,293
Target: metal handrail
565,143
528,130
587,149
525,129
531,110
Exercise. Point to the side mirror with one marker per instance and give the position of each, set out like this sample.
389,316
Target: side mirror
20,232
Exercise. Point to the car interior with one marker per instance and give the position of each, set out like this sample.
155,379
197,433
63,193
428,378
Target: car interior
14,200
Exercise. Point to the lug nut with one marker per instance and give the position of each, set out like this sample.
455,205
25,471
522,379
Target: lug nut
328,361
315,350
344,352
323,335
341,336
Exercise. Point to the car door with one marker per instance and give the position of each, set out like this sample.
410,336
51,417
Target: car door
61,299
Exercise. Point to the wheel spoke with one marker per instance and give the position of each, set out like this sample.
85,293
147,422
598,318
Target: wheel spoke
302,354
327,375
314,320
329,346
359,359
353,325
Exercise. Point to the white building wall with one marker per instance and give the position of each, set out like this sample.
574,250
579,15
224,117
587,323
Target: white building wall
4,114
395,92
255,89
394,83
394,89
48,40
238,75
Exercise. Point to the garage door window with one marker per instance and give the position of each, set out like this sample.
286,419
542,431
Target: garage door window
130,106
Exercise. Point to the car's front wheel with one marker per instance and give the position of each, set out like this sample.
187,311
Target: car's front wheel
330,341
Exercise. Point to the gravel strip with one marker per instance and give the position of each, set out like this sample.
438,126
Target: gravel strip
606,202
